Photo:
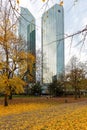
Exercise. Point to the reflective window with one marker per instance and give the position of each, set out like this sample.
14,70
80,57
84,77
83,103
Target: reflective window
53,43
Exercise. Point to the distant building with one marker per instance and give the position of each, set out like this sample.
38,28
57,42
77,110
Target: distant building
27,30
52,43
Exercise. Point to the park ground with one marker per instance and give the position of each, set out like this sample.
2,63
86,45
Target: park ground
44,113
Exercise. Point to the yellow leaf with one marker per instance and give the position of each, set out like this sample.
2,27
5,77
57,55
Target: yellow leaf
18,2
61,3
43,0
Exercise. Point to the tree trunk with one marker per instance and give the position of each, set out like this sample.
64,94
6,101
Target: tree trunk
6,100
79,94
10,96
75,93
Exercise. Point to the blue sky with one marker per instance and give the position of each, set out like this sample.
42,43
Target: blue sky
75,19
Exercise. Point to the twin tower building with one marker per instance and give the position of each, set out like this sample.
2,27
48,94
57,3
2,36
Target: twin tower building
52,40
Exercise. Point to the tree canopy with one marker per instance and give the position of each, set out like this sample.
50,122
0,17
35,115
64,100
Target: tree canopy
14,60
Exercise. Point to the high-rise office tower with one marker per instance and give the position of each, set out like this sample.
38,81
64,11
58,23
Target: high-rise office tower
27,29
52,43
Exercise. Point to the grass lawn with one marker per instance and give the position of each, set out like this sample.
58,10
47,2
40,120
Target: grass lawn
44,114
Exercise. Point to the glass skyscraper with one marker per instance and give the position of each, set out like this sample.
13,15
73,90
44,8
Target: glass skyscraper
52,43
27,29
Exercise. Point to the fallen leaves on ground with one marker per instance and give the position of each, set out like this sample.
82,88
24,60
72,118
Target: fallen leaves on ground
43,116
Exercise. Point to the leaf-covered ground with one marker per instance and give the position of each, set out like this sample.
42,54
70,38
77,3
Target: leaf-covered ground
44,115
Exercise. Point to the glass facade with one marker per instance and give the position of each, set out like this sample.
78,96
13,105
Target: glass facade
28,33
31,38
52,43
27,29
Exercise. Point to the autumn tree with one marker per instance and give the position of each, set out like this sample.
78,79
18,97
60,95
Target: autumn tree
76,75
14,61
